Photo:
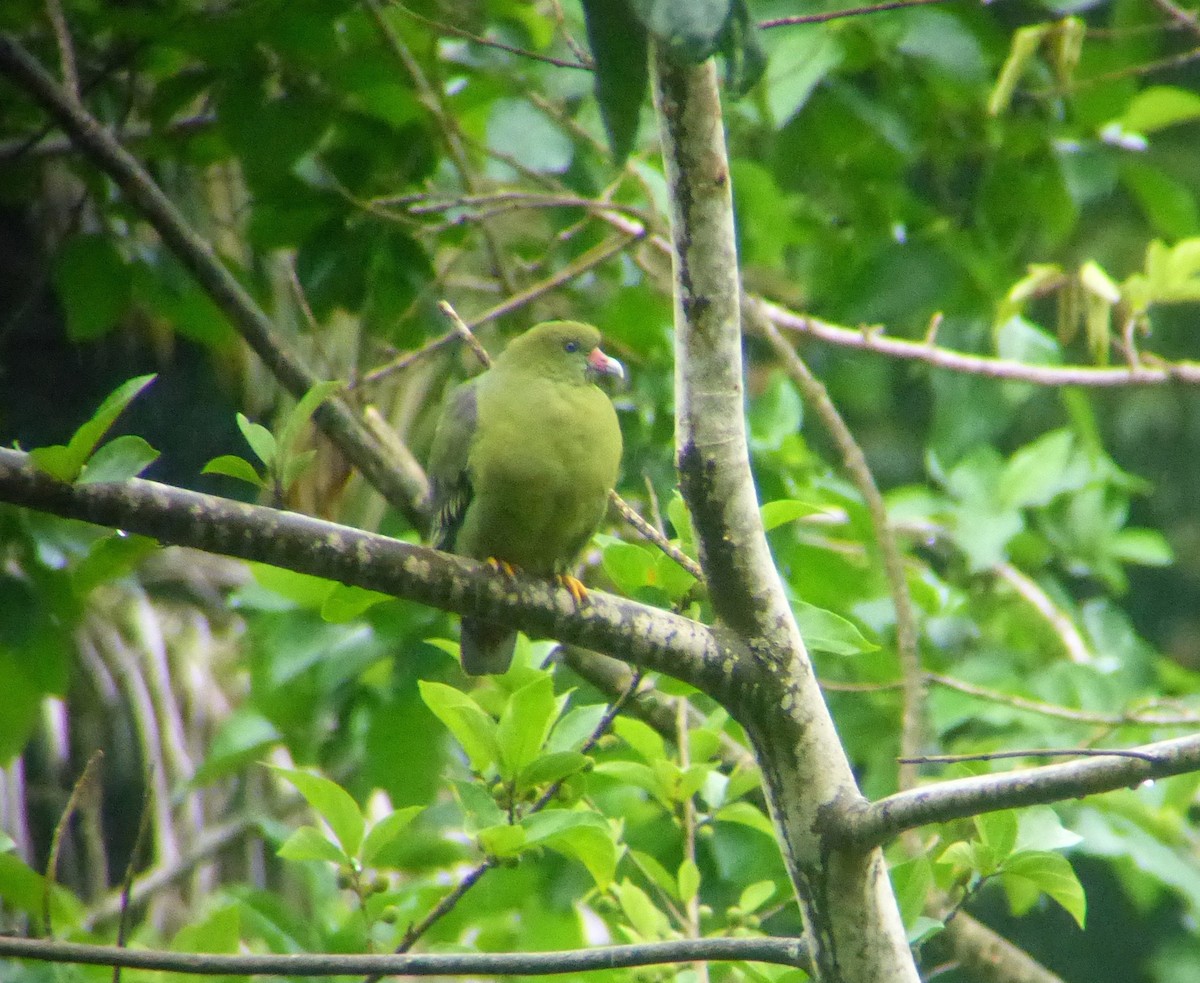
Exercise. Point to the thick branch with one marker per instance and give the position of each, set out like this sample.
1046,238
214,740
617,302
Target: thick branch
401,482
710,432
852,924
634,632
782,952
963,797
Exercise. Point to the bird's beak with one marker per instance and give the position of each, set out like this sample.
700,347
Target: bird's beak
603,364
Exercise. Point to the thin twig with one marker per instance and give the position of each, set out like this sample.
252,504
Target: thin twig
1029,589
599,253
823,18
649,532
87,785
466,35
402,362
139,844
432,100
465,333
874,340
66,50
1177,13
1088,717
1079,752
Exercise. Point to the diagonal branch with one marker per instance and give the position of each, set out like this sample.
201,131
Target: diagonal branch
959,798
636,633
401,481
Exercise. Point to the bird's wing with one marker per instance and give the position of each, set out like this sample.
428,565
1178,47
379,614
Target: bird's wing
449,474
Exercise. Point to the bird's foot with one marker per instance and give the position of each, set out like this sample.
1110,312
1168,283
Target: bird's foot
502,566
575,586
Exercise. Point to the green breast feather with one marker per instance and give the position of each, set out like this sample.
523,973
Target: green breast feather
522,464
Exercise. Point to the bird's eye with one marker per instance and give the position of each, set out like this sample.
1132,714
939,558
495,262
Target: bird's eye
571,346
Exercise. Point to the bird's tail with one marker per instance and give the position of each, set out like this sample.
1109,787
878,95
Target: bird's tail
487,647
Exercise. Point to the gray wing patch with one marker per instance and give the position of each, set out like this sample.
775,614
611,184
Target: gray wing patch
449,473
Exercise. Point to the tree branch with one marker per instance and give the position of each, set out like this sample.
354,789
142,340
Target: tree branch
874,340
401,482
851,920
781,952
957,799
636,633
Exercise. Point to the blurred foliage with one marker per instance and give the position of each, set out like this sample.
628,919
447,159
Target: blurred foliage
1028,172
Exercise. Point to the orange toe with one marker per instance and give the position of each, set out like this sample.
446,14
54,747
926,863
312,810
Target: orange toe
575,586
501,566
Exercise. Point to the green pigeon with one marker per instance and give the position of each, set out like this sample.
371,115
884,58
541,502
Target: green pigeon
522,463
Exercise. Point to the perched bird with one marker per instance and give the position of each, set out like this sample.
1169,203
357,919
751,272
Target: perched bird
522,463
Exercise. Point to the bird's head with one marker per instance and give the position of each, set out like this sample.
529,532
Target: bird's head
567,350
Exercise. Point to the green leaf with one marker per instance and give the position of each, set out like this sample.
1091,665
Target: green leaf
998,832
298,419
479,806
647,920
572,729
109,558
1049,873
636,774
746,814
826,631
242,738
582,835
302,589
800,58
621,54
755,896
525,723
233,466
345,602
550,768
688,880
1145,547
260,439
785,510
332,803
219,932
643,738
630,565
386,833
471,726
518,128
1169,205
1039,828
775,414
912,881
65,463
1158,107
94,285
1039,472
309,843
502,840
120,459
23,889
58,461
